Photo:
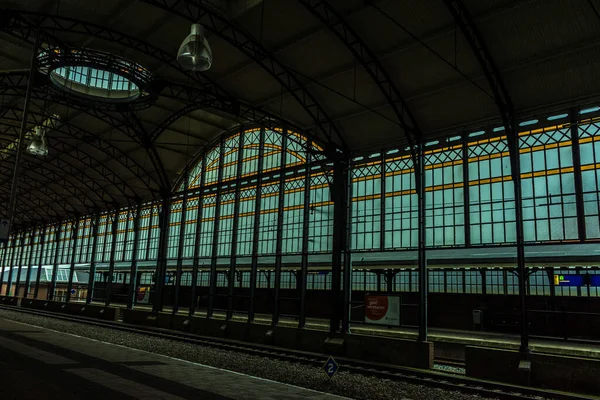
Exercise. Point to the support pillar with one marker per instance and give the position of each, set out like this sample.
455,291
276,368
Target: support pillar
279,233
29,265
38,277
197,239
180,247
55,262
419,162
92,273
20,265
256,232
134,258
161,270
72,263
512,138
111,267
339,196
576,149
305,223
215,243
234,230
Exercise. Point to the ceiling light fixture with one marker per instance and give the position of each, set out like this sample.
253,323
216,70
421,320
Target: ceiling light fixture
194,53
38,145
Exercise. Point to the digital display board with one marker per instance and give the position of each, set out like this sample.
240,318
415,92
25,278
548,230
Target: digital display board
568,280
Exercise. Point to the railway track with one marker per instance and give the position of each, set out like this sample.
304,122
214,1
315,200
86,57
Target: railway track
433,378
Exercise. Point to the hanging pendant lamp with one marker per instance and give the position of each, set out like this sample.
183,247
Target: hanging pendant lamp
194,53
38,145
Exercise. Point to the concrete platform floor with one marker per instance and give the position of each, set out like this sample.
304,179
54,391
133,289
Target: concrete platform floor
440,336
37,363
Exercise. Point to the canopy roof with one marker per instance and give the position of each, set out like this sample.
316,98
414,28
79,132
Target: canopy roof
278,63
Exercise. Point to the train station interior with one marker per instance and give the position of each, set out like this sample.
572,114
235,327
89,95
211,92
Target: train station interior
413,184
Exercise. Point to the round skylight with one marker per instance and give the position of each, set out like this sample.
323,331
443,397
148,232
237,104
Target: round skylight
95,75
95,83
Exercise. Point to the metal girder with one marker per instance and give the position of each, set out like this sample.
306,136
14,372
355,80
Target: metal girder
23,25
200,99
98,142
54,198
72,170
505,106
197,11
64,149
325,12
485,60
134,127
124,125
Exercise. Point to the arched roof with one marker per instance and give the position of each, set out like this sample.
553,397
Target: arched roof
352,74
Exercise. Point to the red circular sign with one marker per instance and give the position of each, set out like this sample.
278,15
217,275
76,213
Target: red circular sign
376,307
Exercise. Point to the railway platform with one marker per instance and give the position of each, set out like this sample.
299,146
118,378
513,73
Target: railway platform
40,363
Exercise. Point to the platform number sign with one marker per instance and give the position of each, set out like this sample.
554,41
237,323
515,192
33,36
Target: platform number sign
331,367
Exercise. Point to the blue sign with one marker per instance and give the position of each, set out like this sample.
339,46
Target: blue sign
73,291
594,280
568,280
331,367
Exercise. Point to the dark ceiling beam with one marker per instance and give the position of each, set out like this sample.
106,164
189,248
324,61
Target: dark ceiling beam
64,149
399,49
196,119
52,174
20,27
197,12
198,99
323,11
113,152
293,41
24,24
509,119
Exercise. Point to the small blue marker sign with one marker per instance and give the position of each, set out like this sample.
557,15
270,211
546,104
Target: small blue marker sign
331,367
73,291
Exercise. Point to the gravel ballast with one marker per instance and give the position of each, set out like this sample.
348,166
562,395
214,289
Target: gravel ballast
343,384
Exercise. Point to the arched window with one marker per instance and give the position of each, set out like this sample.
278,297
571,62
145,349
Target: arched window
235,189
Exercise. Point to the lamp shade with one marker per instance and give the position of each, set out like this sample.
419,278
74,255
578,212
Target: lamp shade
38,145
194,53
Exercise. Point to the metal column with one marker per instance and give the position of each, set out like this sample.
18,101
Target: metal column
161,270
72,263
4,256
30,247
419,162
279,232
111,266
466,193
38,277
20,265
256,231
234,230
55,264
305,223
182,226
347,286
197,239
515,164
576,149
339,196
92,273
215,243
10,263
29,266
134,257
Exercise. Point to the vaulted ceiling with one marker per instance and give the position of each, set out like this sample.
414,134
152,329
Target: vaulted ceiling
361,75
